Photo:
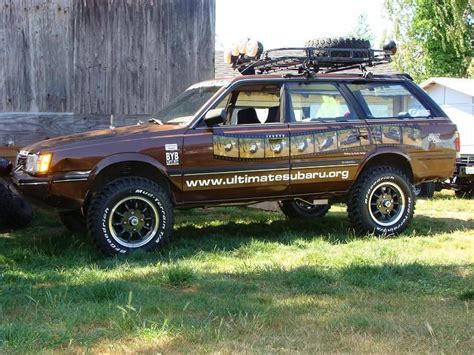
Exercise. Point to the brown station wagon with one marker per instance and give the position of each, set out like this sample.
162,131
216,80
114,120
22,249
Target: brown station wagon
306,140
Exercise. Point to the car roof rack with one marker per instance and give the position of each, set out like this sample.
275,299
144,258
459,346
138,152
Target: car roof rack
308,61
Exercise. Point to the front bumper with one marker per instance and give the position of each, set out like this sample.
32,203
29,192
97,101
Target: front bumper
62,191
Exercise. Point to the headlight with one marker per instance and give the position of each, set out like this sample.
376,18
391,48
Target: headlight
38,164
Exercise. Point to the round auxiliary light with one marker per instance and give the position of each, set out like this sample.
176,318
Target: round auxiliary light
254,48
243,46
228,56
390,46
235,50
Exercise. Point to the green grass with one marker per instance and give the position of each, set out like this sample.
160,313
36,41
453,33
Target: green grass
245,280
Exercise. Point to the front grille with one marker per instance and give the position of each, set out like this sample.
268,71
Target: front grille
466,160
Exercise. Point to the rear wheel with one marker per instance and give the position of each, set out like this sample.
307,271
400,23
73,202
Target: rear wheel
381,201
298,208
130,213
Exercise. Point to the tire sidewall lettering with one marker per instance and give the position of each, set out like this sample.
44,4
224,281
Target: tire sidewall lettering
406,212
163,222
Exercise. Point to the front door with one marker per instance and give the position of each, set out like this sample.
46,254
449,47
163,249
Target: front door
245,158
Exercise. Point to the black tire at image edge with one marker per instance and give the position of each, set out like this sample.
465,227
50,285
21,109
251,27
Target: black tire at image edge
15,211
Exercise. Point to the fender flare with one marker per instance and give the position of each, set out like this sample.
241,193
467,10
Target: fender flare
126,157
383,151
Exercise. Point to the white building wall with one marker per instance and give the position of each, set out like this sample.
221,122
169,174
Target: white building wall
460,109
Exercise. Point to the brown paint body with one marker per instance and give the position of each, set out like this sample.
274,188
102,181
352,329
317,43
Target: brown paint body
202,157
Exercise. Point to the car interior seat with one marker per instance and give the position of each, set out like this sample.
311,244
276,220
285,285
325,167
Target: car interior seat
247,116
273,115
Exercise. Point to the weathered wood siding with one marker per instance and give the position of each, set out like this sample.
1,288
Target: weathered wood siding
102,56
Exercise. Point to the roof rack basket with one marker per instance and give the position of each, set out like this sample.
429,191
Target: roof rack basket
312,60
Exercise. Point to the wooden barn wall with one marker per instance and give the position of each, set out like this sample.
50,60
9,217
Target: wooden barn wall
102,56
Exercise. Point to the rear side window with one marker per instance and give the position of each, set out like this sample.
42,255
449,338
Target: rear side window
381,100
317,102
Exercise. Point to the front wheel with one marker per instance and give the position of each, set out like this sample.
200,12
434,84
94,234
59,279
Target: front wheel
381,201
298,208
130,213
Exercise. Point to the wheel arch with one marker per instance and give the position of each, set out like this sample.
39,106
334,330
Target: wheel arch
129,164
393,159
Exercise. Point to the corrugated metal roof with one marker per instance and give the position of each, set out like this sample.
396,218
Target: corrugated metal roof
466,86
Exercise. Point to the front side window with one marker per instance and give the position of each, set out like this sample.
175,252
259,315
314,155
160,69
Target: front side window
388,100
255,104
318,102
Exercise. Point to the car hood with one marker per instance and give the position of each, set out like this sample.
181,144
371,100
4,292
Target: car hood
104,136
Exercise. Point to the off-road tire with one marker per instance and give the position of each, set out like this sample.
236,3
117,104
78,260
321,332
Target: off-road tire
359,201
74,221
99,220
346,43
466,192
292,210
15,211
425,189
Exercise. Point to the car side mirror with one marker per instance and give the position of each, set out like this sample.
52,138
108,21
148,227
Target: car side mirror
215,117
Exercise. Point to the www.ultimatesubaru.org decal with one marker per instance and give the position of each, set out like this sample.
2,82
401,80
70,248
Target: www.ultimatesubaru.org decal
242,147
227,180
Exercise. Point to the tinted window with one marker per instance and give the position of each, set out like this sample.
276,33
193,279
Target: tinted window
317,102
388,100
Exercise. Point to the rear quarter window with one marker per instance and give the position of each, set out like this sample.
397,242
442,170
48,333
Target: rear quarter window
385,100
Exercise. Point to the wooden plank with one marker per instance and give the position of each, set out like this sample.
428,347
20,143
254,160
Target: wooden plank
9,152
102,56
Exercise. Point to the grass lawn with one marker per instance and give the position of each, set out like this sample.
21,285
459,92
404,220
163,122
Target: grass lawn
245,280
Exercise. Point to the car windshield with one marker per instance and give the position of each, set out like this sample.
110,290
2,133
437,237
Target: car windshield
182,108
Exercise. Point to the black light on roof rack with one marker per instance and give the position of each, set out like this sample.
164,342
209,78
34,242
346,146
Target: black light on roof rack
390,46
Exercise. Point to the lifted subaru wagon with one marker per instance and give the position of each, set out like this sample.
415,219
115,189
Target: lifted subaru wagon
305,137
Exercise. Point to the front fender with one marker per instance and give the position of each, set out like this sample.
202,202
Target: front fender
126,157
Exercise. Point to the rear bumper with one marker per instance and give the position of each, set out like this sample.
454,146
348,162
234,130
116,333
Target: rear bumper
65,191
465,167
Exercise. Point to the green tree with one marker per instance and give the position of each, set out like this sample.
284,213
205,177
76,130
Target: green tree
434,36
362,29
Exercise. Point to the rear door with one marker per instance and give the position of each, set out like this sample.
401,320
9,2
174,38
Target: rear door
328,139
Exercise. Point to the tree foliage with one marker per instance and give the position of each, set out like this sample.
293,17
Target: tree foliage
434,36
362,29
